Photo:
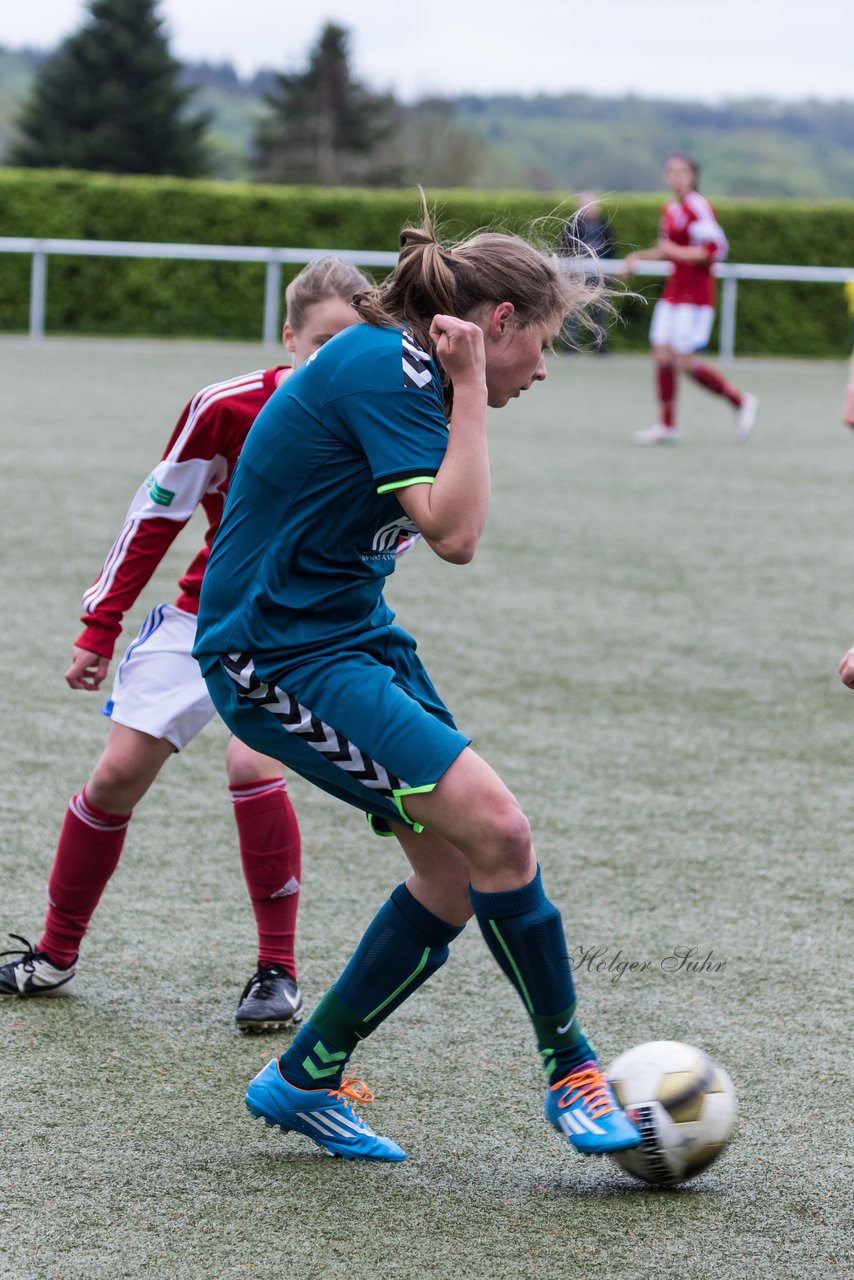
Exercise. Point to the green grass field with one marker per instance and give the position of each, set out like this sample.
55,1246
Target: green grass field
646,649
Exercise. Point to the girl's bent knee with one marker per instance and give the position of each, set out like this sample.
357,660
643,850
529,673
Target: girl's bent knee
512,836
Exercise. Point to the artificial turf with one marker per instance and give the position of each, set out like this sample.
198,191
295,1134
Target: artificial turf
645,647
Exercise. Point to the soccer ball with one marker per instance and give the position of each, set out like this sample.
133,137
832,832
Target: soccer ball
682,1102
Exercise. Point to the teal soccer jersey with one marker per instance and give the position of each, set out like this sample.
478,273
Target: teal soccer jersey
312,522
296,642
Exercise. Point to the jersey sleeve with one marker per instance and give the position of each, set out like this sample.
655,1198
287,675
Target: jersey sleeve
704,229
401,425
131,561
193,464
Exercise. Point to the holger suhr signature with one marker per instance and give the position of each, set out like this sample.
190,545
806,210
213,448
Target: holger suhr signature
680,959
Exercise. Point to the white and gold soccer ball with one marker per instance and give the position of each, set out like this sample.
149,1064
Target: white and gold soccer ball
682,1102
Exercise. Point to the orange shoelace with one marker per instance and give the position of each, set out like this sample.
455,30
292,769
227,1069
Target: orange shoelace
590,1086
352,1089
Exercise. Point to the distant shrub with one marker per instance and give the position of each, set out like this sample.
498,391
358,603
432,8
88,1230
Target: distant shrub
224,300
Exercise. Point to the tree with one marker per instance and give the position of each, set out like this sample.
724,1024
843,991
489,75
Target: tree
109,99
436,150
323,126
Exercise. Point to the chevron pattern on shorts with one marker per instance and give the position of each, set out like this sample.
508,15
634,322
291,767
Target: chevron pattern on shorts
297,719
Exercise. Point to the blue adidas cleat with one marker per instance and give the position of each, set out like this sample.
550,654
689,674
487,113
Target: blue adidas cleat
324,1115
583,1108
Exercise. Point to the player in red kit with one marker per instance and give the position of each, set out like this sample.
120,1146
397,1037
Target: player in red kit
692,239
159,700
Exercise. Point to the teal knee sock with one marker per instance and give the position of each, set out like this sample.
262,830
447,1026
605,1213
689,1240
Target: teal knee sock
403,945
523,930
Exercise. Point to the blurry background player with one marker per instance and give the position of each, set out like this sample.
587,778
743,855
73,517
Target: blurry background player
848,409
590,231
690,237
159,700
848,288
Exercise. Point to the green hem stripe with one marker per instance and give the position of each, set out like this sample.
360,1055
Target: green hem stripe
372,823
411,791
404,484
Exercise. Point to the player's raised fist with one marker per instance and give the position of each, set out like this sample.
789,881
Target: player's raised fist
459,347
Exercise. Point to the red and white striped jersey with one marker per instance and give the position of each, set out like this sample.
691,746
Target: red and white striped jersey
195,469
693,221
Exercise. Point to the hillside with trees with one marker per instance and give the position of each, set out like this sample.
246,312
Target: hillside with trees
293,127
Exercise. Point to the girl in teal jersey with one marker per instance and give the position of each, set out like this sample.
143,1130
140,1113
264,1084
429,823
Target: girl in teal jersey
381,433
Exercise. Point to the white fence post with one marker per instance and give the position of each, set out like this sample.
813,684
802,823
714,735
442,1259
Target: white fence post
272,304
729,302
38,293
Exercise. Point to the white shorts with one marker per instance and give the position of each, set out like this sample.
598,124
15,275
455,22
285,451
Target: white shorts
158,687
682,326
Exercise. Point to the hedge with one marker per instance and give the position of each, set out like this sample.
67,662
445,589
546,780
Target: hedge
224,300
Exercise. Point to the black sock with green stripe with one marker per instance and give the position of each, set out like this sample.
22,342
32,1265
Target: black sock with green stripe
402,946
523,930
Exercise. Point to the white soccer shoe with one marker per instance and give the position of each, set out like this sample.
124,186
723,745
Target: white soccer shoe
33,974
745,416
657,434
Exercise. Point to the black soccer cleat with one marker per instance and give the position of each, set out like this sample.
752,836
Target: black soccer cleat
270,1000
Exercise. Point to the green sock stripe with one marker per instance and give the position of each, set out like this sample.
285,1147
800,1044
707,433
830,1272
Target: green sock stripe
331,1061
323,1055
549,1061
319,1073
523,990
424,958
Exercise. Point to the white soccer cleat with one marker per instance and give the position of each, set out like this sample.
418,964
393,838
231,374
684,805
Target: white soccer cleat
33,974
657,434
745,416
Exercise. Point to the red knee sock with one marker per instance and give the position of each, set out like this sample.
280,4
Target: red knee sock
665,381
90,844
714,381
268,832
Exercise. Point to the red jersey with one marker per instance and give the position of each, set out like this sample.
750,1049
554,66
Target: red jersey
693,222
195,469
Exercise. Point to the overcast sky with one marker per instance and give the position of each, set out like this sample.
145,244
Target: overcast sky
707,49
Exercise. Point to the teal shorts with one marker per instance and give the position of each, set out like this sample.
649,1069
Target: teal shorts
362,722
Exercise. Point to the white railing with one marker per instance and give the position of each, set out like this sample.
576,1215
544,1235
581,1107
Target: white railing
273,259
729,273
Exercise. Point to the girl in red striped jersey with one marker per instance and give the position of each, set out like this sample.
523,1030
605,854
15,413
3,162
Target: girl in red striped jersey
159,700
692,239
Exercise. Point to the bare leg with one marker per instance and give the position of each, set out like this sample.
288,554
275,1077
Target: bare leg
472,809
126,769
242,764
